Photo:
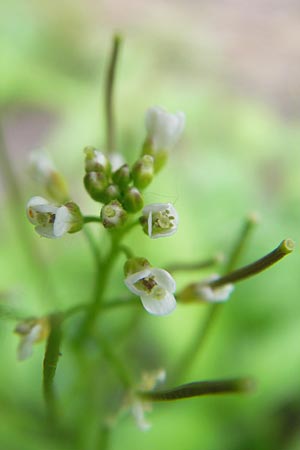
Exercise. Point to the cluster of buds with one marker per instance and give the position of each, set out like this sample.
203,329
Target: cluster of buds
119,187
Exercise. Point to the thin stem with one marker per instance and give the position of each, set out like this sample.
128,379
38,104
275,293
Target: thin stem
200,388
119,367
127,251
93,245
177,267
283,249
240,244
197,343
50,364
88,219
109,86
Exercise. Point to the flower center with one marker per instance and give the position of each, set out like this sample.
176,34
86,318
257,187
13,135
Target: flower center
146,284
162,220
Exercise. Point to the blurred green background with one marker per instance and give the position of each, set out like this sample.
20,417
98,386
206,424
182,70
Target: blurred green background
233,68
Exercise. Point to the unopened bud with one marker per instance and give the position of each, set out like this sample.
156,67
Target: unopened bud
95,184
112,192
143,171
134,265
133,200
95,161
122,176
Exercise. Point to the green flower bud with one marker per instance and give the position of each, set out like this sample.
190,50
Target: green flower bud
95,184
113,215
112,192
95,161
133,200
122,176
143,171
134,265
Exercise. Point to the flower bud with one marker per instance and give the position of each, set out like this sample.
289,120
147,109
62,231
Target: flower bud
133,200
95,161
134,265
113,215
143,171
122,176
112,192
95,183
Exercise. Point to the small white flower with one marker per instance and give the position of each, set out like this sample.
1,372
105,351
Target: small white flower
159,220
214,295
164,129
51,221
155,287
41,166
31,331
138,406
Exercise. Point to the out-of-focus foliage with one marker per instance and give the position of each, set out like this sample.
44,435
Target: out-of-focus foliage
239,154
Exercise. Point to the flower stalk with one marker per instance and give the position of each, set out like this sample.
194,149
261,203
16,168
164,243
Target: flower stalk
109,90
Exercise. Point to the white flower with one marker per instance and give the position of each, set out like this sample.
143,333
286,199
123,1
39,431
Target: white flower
139,406
44,172
163,129
214,295
155,287
41,166
53,221
159,220
31,332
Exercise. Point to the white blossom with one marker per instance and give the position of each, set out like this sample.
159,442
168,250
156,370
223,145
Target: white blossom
41,166
51,221
210,294
155,287
159,220
31,331
163,129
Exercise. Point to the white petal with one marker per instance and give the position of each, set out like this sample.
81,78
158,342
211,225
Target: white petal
25,346
32,203
159,307
150,224
116,161
138,413
63,221
164,279
46,231
41,166
219,294
130,280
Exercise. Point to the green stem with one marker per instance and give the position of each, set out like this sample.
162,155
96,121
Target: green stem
200,388
177,267
109,86
50,364
88,219
283,249
240,244
119,367
93,245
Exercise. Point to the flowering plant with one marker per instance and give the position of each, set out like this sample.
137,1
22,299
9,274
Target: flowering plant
118,188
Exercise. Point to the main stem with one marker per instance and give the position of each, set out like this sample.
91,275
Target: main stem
109,86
